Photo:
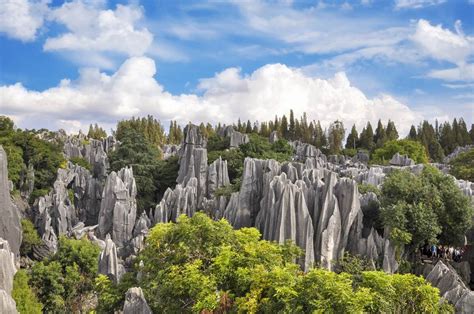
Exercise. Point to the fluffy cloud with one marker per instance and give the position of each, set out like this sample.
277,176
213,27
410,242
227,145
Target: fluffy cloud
416,4
444,45
92,29
271,90
21,19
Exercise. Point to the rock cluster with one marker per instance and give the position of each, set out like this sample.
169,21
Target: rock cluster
92,150
7,272
305,150
170,150
273,137
451,287
135,302
236,138
118,208
456,152
401,160
320,212
10,226
109,262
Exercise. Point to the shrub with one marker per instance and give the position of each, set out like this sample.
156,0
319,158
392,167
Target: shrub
81,162
462,167
414,150
30,237
25,298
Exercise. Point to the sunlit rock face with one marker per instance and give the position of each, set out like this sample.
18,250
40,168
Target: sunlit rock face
10,226
135,302
7,272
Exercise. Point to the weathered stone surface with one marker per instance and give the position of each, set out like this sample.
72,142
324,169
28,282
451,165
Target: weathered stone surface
10,226
92,150
217,176
305,150
170,150
109,262
451,287
236,138
273,137
456,152
80,230
7,304
285,216
7,272
118,207
362,157
401,160
135,302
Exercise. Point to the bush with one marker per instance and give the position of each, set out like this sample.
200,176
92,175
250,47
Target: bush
365,188
65,280
81,162
30,237
25,298
462,167
414,150
37,193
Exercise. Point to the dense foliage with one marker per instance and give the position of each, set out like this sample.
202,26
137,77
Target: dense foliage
96,132
30,237
81,162
428,208
65,281
24,296
148,127
136,151
24,147
462,167
206,265
414,150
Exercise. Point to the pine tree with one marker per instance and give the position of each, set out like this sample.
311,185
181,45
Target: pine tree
292,126
335,137
391,131
319,136
239,126
284,128
352,139
367,137
447,138
471,133
380,136
248,128
463,137
412,135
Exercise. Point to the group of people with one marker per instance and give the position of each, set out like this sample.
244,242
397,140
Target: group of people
444,252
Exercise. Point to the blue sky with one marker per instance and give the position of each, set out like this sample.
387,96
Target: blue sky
67,64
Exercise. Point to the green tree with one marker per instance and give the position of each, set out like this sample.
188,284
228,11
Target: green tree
352,139
64,281
292,127
447,138
367,137
462,167
284,128
412,135
413,149
25,298
96,132
335,137
30,237
392,133
136,151
380,136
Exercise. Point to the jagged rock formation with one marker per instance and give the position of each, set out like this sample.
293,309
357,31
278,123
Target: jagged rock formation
456,152
401,160
75,198
170,150
305,150
10,226
451,287
135,302
193,160
27,182
7,272
273,137
92,150
236,138
109,262
311,206
118,208
217,176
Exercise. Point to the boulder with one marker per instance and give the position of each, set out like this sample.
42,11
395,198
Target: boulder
401,160
236,138
135,302
10,225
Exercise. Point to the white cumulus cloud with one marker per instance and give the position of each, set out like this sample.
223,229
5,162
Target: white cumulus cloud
92,29
21,19
271,90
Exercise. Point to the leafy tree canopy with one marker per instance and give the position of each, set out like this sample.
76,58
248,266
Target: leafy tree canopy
462,167
413,149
